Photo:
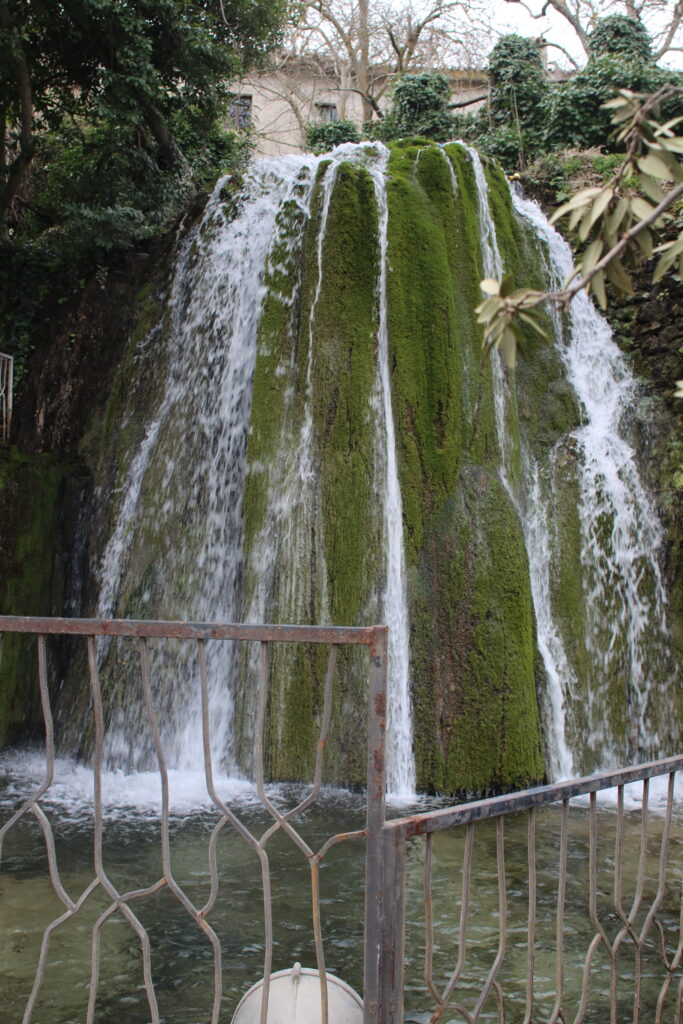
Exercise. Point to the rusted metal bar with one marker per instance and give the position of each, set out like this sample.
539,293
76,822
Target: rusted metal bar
559,919
462,930
102,877
492,979
531,917
31,804
390,1009
366,635
480,810
168,878
375,822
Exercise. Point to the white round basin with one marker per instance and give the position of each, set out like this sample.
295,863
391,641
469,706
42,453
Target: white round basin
294,998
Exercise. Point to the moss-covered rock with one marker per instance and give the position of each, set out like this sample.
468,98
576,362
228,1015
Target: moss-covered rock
312,522
470,609
476,643
39,497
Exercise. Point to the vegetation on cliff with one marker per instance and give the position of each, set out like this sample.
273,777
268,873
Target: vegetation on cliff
110,115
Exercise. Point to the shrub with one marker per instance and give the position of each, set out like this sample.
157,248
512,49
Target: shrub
420,108
618,34
620,58
320,138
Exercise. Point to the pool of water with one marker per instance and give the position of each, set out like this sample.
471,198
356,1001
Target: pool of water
182,958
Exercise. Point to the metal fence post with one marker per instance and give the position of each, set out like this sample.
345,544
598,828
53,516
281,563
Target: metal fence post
390,1010
377,712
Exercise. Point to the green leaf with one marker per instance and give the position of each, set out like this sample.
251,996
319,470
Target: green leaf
618,277
585,226
674,145
668,126
537,326
581,199
615,218
508,346
641,207
671,251
487,309
506,286
644,242
651,188
591,256
597,286
600,205
655,166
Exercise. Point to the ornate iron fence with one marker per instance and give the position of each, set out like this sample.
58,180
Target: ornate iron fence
614,928
457,986
6,375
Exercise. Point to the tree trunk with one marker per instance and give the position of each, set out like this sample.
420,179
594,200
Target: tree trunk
170,157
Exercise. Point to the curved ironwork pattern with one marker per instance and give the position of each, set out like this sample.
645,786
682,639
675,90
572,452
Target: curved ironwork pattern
626,902
622,934
123,903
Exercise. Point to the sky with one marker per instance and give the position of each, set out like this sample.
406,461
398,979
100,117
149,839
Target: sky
512,18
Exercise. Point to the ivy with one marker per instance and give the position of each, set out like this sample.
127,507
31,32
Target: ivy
320,138
420,108
620,36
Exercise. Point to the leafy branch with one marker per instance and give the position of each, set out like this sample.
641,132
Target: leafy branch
618,225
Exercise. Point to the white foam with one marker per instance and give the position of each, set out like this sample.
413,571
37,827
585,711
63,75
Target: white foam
137,794
633,796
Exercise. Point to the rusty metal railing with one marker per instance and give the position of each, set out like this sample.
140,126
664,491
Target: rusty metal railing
613,924
123,903
6,382
464,990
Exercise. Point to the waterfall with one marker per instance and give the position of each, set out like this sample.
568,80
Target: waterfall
193,458
528,499
222,274
315,339
400,763
621,536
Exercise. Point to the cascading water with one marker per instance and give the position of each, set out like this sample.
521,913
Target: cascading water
627,635
400,766
527,497
222,275
194,452
284,365
620,535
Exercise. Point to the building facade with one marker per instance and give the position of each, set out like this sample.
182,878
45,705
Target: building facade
278,104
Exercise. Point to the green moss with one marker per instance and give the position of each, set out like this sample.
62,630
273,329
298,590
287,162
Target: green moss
434,344
472,664
316,364
31,574
477,643
343,382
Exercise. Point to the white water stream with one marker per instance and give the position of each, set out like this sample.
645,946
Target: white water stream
533,514
621,534
198,437
400,761
194,451
196,446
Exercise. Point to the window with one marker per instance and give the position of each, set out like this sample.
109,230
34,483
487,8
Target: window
240,111
328,112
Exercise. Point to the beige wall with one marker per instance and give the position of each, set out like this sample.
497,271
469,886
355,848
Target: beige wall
283,103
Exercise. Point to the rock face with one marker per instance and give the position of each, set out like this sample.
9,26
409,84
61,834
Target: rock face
232,443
